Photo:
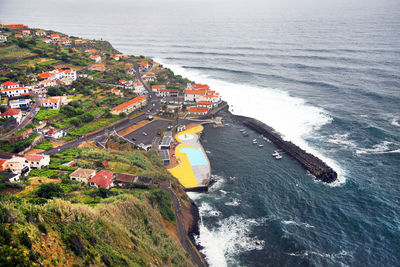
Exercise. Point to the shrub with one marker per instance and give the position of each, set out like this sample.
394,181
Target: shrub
49,190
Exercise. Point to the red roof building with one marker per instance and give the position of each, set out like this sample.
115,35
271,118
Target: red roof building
103,179
130,105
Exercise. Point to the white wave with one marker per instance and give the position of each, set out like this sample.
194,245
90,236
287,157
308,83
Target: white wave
334,257
298,224
194,195
381,148
289,115
219,181
342,139
206,210
231,237
395,122
235,202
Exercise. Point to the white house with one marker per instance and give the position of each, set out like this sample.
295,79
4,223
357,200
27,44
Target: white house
198,111
54,133
96,58
40,33
16,92
82,175
58,74
37,161
51,103
46,40
14,113
3,38
47,83
18,165
65,41
9,85
19,103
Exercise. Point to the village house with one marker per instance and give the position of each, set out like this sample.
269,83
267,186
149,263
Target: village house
130,105
55,37
3,164
198,111
51,103
18,35
18,165
54,133
201,92
149,77
82,175
3,38
205,104
37,161
157,87
65,41
103,179
19,103
9,85
125,178
15,92
58,74
130,71
167,93
26,33
40,33
46,40
47,83
126,83
116,91
144,66
96,58
90,51
79,42
11,177
12,113
98,67
116,57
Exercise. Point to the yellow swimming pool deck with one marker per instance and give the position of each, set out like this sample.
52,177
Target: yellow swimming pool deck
184,171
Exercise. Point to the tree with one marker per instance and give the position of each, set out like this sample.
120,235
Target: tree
49,190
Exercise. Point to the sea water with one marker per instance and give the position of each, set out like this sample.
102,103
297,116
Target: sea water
325,75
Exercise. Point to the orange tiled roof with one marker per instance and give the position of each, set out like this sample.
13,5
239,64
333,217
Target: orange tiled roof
9,83
129,103
198,109
204,103
11,112
158,86
14,89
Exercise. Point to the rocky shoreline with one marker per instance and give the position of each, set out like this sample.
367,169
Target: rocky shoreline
319,169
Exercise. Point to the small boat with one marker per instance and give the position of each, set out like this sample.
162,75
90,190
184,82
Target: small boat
275,154
242,130
260,145
245,134
255,140
255,143
278,157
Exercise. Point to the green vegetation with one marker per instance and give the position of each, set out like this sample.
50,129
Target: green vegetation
13,52
16,146
44,145
46,114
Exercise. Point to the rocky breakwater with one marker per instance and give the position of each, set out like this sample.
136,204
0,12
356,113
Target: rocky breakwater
314,165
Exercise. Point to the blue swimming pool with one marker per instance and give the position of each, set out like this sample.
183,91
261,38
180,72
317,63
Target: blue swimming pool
196,156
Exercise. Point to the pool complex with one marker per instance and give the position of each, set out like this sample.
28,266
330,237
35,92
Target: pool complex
189,155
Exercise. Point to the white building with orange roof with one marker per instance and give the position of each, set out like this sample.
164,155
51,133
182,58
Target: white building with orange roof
116,91
16,92
157,87
90,51
96,58
9,84
3,38
58,74
46,40
18,165
198,111
37,161
12,113
51,103
40,33
130,105
55,37
26,33
65,41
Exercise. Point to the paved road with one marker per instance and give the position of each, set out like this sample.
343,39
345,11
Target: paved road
183,237
26,120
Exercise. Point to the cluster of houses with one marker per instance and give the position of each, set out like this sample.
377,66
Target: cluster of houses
130,106
13,167
199,96
107,179
49,79
4,36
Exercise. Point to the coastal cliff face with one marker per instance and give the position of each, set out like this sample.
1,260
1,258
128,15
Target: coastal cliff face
314,165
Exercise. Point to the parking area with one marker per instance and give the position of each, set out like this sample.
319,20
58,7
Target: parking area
147,133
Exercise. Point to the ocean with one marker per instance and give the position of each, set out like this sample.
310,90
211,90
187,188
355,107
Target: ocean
325,75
